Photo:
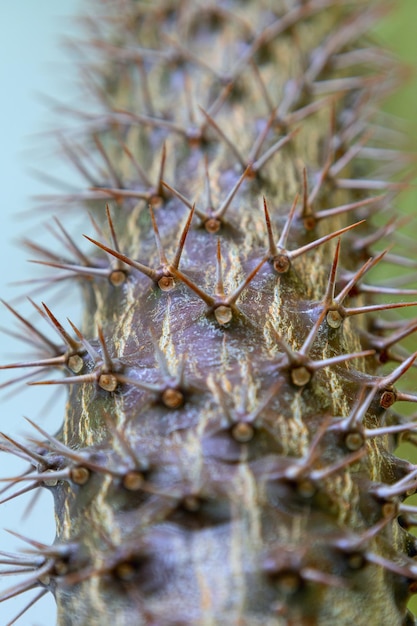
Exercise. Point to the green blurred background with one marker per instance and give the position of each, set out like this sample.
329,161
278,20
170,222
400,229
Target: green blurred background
31,62
399,31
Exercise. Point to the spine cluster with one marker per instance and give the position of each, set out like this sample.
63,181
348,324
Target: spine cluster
227,455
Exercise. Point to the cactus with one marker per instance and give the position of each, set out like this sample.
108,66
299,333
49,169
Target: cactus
228,450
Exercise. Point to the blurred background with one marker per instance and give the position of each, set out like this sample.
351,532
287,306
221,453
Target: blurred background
33,63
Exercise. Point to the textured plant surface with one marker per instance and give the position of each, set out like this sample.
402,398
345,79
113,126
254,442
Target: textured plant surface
227,455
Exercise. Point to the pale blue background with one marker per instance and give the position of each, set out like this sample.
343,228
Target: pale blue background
31,62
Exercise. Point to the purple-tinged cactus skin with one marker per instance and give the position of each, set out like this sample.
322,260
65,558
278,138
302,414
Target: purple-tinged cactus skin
227,457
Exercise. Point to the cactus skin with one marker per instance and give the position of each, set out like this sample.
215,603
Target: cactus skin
217,463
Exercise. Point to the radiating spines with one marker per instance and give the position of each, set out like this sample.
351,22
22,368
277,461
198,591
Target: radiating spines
172,389
210,217
104,371
153,194
221,305
84,267
41,566
383,345
278,254
54,464
161,275
32,454
69,354
336,312
302,368
367,422
235,432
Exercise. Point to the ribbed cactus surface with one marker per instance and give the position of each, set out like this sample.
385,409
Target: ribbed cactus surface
227,454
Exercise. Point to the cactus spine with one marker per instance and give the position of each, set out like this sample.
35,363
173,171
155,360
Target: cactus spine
227,452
